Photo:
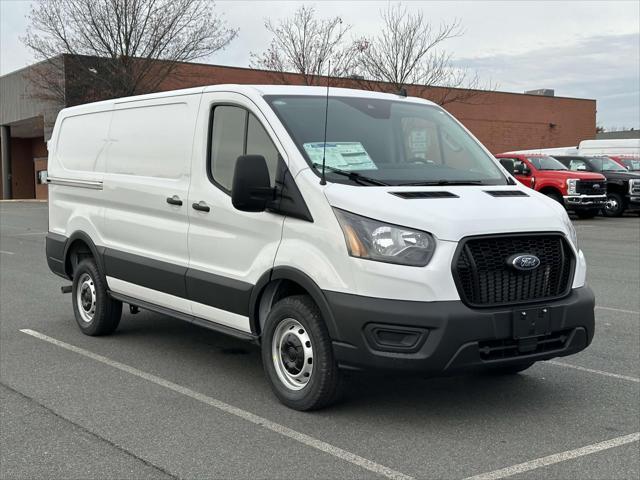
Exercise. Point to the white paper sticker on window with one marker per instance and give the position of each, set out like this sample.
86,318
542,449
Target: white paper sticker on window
342,155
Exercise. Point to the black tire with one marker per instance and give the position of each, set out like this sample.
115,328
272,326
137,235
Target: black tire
556,196
95,311
588,213
323,382
614,206
510,369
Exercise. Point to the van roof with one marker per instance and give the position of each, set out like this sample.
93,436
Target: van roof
248,90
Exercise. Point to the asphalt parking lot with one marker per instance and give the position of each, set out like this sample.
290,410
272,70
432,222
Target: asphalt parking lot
166,399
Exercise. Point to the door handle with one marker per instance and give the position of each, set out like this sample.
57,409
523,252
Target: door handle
175,200
201,206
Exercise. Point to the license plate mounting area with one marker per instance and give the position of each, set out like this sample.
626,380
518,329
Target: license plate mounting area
531,322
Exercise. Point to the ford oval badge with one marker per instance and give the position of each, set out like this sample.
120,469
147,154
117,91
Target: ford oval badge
524,261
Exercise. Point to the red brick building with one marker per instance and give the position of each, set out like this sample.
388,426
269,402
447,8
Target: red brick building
502,121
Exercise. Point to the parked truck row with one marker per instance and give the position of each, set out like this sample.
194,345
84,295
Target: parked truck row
583,184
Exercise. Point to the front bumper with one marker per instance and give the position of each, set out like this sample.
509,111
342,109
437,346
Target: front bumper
447,337
585,201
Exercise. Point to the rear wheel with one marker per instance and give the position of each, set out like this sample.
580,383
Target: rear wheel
298,356
588,213
614,206
509,369
96,313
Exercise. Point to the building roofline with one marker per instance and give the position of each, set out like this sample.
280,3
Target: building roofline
376,81
233,67
31,66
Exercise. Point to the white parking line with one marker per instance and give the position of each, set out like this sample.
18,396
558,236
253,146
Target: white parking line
617,310
238,412
557,458
591,370
6,253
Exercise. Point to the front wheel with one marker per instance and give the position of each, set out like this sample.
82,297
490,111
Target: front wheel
614,206
297,355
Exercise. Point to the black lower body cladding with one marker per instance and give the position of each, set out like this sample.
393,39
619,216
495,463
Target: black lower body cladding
55,246
448,337
428,337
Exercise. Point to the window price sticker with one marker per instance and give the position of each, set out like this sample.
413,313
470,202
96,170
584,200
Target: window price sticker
342,155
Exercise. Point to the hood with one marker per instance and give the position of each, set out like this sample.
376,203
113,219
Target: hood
573,174
621,175
472,212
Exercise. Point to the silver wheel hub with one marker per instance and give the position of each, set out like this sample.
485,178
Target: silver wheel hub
292,354
612,203
86,298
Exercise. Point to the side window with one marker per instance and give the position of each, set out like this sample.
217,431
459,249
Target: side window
259,143
577,165
236,132
227,143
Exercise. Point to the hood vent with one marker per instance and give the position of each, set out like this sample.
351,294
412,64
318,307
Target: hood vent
506,193
417,195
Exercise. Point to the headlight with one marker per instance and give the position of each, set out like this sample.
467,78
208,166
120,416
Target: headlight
383,242
571,186
573,236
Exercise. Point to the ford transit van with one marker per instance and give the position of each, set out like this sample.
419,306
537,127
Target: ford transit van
339,230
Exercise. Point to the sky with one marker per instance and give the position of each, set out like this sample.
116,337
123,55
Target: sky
585,49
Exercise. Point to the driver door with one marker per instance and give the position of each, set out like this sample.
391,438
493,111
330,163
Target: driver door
229,250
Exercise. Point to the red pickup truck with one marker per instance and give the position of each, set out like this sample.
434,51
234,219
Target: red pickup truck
630,162
585,193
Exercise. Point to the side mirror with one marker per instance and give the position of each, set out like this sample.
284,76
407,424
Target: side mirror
521,169
508,164
251,189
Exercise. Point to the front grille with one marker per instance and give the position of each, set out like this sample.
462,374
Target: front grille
485,278
588,187
509,348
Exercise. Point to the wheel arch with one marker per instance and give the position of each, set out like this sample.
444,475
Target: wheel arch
617,187
80,241
281,282
547,189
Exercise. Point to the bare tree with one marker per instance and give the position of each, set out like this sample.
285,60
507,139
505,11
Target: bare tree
113,48
304,44
408,51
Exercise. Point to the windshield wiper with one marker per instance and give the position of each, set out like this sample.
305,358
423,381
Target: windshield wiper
356,177
442,182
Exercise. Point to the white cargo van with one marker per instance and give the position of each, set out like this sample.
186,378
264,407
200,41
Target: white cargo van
415,251
618,146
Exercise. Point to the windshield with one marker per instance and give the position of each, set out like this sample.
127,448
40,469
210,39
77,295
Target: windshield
389,141
605,164
632,163
546,163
